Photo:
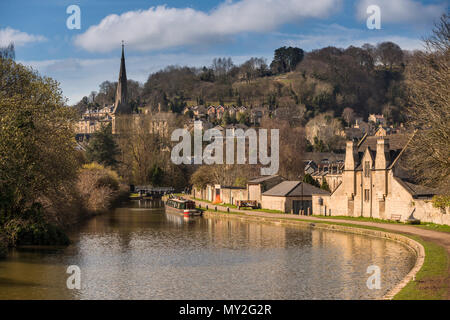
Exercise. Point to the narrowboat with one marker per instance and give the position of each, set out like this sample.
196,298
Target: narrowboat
182,206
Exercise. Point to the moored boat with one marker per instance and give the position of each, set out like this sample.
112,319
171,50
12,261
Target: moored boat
182,206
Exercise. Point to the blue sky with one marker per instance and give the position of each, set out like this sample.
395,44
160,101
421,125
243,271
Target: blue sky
158,33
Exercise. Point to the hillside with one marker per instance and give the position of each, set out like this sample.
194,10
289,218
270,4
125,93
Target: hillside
367,80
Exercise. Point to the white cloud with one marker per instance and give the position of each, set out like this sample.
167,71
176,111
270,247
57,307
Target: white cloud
342,37
162,27
403,11
19,38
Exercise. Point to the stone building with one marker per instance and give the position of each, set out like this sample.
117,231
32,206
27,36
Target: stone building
329,171
378,119
217,193
256,187
291,197
375,184
121,115
230,195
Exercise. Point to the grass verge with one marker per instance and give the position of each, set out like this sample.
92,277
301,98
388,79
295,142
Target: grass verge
434,227
365,219
432,280
424,225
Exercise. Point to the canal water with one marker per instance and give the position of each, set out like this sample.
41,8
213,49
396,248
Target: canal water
141,252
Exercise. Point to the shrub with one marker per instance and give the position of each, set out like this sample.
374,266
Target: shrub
97,186
441,202
32,229
3,245
32,232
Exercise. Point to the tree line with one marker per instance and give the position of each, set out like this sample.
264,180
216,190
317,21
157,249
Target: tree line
367,79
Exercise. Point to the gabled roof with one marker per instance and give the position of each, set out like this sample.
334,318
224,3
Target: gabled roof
416,190
396,142
306,189
282,189
294,189
372,155
263,179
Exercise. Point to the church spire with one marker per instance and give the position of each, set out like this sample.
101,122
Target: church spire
121,104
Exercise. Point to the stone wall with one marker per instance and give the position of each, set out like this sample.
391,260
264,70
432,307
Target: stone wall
283,204
198,193
254,192
230,196
338,203
427,213
397,202
273,203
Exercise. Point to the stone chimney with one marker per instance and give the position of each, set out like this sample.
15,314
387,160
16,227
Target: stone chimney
350,156
380,177
382,157
349,175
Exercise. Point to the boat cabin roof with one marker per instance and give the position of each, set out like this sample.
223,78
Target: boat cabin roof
180,200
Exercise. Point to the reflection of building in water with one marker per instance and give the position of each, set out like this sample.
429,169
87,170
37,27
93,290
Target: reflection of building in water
254,234
349,247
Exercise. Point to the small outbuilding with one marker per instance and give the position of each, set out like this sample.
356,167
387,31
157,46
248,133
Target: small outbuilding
256,187
291,197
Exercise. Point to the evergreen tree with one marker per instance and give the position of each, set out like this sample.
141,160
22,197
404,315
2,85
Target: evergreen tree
286,59
102,147
156,175
307,178
325,186
226,119
239,101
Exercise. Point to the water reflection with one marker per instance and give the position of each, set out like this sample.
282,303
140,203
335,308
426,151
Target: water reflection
141,252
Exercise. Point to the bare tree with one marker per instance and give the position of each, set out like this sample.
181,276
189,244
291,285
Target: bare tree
8,52
429,113
292,146
348,115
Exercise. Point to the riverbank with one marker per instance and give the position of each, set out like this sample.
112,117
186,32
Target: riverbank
431,281
3,246
46,222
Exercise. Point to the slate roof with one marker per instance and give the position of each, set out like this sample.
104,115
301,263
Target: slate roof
282,189
317,157
293,189
308,190
396,142
416,190
262,179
